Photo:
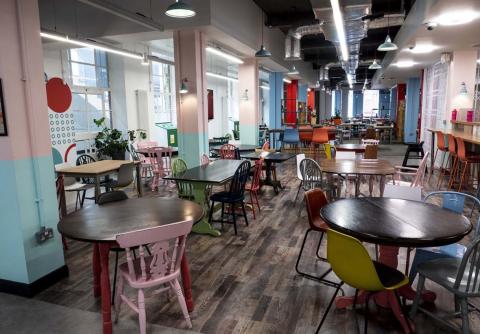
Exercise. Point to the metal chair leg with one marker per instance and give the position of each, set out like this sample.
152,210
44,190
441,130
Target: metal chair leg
298,191
245,213
318,247
329,307
115,278
420,285
465,322
232,207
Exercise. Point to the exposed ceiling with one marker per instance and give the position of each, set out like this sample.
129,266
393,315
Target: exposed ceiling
315,48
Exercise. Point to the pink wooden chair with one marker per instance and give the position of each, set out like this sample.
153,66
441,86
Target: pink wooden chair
266,145
155,156
160,268
147,144
204,160
228,151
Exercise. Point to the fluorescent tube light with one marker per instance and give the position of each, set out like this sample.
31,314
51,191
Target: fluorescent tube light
221,76
224,55
405,63
265,87
287,81
338,19
90,44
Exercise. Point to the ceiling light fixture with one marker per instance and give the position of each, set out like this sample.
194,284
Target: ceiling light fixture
293,71
180,10
405,63
220,53
263,52
221,76
453,18
90,44
387,45
337,18
287,81
145,61
422,48
374,65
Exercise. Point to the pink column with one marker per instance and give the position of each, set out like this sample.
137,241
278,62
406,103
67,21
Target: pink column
249,109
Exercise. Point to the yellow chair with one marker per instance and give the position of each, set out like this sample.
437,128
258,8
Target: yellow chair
351,262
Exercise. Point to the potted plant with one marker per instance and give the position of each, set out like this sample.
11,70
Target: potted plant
139,133
110,142
337,119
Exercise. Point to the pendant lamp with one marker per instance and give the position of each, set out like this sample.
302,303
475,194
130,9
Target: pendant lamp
180,9
263,52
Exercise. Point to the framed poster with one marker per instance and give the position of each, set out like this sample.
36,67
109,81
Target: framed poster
210,103
3,120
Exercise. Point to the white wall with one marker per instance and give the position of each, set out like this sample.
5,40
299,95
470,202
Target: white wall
218,126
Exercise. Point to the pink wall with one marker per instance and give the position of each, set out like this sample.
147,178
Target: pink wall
26,109
248,79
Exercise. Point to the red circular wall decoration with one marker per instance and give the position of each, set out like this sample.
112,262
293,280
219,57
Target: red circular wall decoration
59,95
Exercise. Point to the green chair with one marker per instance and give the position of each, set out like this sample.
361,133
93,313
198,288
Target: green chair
351,262
185,189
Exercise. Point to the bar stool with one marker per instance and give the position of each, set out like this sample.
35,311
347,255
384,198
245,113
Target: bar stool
440,147
462,161
452,161
414,151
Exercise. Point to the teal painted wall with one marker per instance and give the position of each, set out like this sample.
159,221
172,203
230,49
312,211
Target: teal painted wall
191,146
357,103
302,93
393,103
384,103
249,134
28,261
276,96
411,110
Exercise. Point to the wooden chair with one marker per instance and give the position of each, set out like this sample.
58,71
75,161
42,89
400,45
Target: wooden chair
370,141
204,160
254,186
235,195
184,189
463,161
417,174
228,151
158,270
371,152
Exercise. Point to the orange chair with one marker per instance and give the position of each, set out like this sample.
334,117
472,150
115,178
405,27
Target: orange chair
306,133
451,161
319,137
440,147
462,161
332,131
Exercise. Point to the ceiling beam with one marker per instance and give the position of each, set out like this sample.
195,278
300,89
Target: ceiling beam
291,19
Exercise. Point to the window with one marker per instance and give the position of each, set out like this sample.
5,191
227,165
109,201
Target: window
88,71
370,103
163,86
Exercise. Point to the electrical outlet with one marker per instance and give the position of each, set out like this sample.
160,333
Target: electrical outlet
44,234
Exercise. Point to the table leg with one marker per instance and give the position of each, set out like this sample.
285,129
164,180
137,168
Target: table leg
382,185
203,226
269,181
139,180
432,150
187,283
97,188
96,270
104,250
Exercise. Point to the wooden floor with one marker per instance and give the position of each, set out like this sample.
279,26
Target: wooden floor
247,283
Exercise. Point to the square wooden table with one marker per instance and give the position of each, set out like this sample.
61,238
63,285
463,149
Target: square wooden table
98,169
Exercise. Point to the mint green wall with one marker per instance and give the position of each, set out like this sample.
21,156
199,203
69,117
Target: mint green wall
27,261
191,146
248,134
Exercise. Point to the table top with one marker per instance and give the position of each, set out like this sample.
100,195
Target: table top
94,168
101,223
240,148
357,148
362,166
216,172
396,222
144,150
269,156
468,137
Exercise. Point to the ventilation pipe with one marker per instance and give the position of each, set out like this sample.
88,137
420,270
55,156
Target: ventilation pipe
292,41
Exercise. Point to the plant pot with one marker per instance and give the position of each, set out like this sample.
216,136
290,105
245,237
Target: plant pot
118,155
337,121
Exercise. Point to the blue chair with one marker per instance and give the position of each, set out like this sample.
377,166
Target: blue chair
454,201
291,137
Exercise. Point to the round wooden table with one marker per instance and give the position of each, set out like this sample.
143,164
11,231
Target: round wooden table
357,148
99,224
394,223
369,167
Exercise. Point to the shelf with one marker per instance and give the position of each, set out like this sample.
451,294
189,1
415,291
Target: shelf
465,123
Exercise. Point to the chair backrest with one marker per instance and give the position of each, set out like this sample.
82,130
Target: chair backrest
456,202
83,160
266,145
311,174
162,156
184,189
370,141
315,199
257,171
299,158
204,160
239,179
440,140
111,196
451,144
370,133
167,250
133,153
125,174
467,280
147,143
351,262
291,136
461,151
403,192
228,151
349,155
420,175
371,152
320,135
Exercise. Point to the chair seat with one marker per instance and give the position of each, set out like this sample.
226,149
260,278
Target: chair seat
140,283
444,272
79,186
390,277
318,224
226,197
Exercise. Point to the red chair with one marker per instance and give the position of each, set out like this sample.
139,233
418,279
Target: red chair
254,187
306,134
266,145
319,137
228,151
462,161
442,147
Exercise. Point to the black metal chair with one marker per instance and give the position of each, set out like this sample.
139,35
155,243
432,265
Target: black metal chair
235,195
83,160
414,152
